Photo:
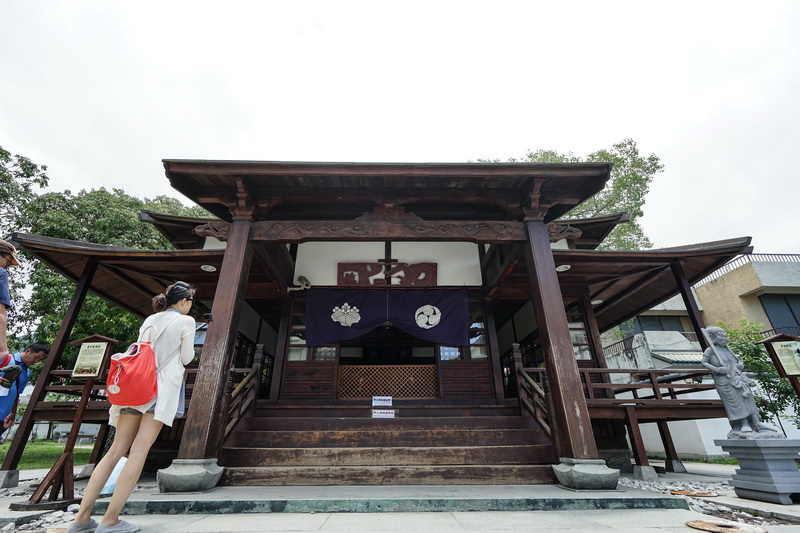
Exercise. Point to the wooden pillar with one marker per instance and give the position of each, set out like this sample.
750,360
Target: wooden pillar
672,462
570,415
494,349
281,349
635,435
594,332
205,423
689,301
62,337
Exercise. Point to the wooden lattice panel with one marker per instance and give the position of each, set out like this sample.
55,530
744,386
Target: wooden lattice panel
398,381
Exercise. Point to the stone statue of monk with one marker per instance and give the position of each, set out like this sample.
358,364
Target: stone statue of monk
735,389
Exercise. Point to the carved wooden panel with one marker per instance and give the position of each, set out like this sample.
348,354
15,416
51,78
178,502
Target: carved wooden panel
466,378
374,274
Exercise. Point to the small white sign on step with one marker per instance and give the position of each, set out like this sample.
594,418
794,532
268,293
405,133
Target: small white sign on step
383,413
381,401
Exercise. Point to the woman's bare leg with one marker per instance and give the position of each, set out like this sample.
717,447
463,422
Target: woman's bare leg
127,428
149,428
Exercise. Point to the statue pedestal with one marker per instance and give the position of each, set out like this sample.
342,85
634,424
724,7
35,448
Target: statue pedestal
767,468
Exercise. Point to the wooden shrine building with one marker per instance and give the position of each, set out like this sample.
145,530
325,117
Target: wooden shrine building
458,290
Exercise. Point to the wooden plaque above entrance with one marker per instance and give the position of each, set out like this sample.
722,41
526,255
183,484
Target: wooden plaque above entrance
376,274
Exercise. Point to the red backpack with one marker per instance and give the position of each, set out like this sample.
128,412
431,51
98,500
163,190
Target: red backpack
132,376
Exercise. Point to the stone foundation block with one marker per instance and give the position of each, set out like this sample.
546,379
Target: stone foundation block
189,475
586,474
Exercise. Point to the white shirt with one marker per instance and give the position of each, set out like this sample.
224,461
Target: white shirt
178,336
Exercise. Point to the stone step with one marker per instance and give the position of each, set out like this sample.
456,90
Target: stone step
390,475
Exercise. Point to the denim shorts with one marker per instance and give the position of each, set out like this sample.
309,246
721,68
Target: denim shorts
178,414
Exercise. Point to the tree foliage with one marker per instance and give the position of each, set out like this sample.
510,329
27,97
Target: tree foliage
19,177
631,175
774,395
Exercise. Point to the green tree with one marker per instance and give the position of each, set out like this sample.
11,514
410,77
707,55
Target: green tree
98,216
774,395
631,176
19,177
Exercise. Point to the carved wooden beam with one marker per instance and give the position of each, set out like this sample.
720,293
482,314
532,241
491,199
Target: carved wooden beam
244,205
336,230
388,222
219,229
537,203
559,232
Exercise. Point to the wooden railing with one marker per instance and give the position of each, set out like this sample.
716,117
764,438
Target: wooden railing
660,394
647,386
531,395
243,398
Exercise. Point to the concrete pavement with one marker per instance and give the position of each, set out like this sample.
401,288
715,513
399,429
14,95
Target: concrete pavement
365,509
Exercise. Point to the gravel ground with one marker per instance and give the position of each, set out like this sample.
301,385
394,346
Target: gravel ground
705,504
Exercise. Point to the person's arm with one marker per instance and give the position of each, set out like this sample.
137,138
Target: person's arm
187,342
3,322
9,420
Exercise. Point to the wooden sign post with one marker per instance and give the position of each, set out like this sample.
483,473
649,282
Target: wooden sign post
784,350
93,357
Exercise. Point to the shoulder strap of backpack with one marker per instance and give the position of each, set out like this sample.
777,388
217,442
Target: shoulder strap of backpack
159,333
173,354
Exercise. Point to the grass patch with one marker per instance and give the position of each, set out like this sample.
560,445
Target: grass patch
717,461
44,454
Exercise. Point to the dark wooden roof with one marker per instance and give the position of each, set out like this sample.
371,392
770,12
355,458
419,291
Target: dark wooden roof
344,191
628,283
178,230
129,278
594,230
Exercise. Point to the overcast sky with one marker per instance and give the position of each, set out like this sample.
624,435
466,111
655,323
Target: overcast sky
102,91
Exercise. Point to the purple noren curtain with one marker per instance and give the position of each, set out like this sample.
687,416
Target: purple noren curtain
436,315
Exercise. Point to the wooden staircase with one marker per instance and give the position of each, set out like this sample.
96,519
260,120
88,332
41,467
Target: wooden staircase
423,445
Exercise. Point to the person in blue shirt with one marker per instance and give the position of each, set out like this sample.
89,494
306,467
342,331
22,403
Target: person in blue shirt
9,396
8,257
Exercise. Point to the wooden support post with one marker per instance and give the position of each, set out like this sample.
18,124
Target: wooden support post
689,301
258,367
206,420
26,425
281,349
673,462
594,332
569,416
494,349
61,474
99,444
637,443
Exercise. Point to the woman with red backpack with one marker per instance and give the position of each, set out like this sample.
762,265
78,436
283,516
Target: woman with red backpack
171,334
